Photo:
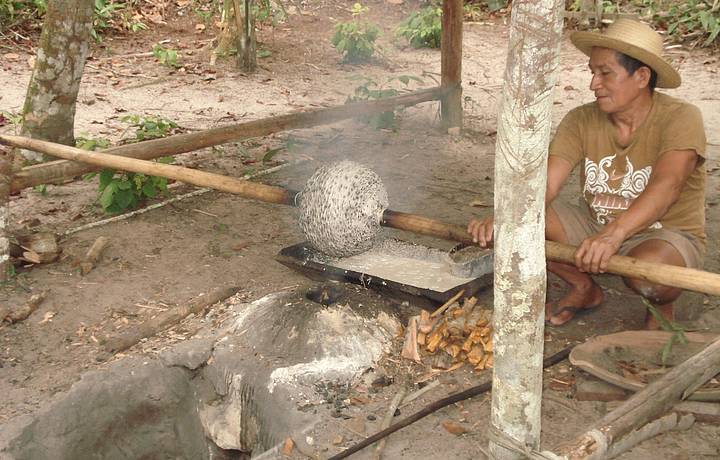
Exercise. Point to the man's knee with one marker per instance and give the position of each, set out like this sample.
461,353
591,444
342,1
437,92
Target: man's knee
656,251
656,293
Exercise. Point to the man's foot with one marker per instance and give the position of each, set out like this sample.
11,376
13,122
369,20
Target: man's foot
666,310
577,300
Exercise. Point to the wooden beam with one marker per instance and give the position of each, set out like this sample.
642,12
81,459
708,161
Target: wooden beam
646,405
451,62
63,170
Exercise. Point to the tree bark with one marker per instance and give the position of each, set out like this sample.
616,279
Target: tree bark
246,48
5,179
520,180
49,110
451,63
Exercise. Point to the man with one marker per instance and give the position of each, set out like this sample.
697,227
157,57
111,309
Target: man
641,156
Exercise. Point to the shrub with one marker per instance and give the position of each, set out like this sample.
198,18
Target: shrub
422,28
355,40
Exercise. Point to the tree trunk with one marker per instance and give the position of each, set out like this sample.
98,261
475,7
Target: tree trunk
5,179
49,111
246,48
520,180
451,62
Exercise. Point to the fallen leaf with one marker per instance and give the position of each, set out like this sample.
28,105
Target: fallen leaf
288,446
337,440
453,427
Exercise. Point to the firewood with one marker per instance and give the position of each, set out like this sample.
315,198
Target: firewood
410,348
93,255
476,355
426,323
39,248
26,310
433,341
421,338
447,304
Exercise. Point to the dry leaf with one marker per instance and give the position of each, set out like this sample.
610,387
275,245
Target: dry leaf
453,427
288,446
337,440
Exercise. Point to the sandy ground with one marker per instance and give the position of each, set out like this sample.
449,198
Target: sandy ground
170,255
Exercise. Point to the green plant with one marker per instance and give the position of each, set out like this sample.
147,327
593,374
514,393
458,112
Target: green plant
125,190
696,20
166,56
149,126
102,19
16,12
678,332
91,143
355,40
41,189
272,11
369,89
422,28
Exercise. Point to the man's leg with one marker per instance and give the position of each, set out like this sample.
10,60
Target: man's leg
583,293
662,297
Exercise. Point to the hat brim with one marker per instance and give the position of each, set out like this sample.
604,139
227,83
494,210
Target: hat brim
668,77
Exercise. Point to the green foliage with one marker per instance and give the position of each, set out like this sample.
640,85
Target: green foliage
696,20
369,89
422,28
149,126
18,12
103,17
125,190
91,143
270,11
166,56
355,40
678,333
41,189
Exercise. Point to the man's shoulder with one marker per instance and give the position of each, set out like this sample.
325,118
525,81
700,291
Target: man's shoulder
667,103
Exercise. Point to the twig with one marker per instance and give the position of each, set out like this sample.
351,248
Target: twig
437,405
447,304
377,455
415,395
204,212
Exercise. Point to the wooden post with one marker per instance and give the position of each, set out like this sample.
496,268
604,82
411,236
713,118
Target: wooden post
5,179
451,63
520,179
246,43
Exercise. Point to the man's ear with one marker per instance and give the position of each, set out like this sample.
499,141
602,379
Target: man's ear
642,76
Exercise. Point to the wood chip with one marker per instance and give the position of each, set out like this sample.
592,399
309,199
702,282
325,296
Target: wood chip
410,348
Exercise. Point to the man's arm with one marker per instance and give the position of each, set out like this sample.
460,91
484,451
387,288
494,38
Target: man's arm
669,175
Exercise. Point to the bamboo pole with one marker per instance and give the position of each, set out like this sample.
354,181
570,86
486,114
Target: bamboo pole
670,275
181,143
451,62
646,405
5,178
520,276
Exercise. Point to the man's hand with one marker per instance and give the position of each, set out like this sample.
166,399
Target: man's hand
593,254
481,231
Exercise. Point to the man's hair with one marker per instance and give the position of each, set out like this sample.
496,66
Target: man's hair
631,65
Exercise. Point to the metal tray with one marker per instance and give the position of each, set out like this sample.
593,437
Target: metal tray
303,258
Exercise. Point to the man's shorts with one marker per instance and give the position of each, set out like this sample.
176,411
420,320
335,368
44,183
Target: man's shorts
579,225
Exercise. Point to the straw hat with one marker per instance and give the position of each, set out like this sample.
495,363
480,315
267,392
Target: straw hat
635,39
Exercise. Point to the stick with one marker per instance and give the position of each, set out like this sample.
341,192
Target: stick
26,310
377,455
437,405
93,255
652,429
181,143
668,275
119,342
447,304
649,403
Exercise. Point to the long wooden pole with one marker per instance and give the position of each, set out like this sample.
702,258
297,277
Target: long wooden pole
181,143
670,275
451,62
648,404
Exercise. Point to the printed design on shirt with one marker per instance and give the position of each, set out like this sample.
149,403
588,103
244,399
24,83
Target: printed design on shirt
607,200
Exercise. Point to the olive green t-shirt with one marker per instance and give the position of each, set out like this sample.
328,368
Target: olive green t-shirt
612,175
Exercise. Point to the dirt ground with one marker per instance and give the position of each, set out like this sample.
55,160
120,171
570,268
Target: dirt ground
170,255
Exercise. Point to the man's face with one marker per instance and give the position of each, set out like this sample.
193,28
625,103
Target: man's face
614,88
